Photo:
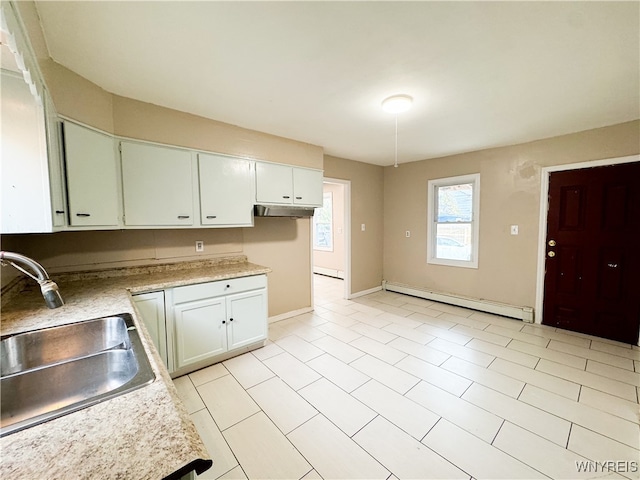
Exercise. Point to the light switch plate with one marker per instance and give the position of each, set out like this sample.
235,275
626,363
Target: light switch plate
407,233
362,227
514,229
199,246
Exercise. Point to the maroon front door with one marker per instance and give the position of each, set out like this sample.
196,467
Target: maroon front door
592,268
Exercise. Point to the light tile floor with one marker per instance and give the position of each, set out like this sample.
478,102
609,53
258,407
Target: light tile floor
391,386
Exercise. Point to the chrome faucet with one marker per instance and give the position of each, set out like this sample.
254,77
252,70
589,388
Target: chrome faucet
49,288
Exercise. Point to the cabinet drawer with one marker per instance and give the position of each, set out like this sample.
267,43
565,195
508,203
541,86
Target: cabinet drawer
189,293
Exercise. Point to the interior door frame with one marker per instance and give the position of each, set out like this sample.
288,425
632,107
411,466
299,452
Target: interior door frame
544,207
347,237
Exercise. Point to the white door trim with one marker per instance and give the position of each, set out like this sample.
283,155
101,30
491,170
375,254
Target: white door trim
544,207
347,233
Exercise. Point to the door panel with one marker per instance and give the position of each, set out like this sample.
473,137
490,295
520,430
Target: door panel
200,331
247,314
593,239
572,208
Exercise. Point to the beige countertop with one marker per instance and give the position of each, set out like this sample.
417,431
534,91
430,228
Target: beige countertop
143,434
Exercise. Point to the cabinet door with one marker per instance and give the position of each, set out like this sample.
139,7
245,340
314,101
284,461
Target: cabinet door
307,186
200,330
151,307
56,175
157,185
92,177
24,193
274,183
225,190
247,314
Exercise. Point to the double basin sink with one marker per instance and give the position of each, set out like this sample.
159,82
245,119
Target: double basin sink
54,371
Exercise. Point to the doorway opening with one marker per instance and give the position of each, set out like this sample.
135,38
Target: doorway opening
588,254
331,241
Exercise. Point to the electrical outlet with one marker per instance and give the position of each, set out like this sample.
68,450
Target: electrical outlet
407,233
514,229
199,246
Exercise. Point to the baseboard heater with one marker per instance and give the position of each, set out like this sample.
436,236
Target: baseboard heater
329,272
522,313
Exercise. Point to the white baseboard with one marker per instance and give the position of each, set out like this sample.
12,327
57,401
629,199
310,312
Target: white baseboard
292,313
328,272
514,311
364,292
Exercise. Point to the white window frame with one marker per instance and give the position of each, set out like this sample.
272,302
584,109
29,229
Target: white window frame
432,204
325,196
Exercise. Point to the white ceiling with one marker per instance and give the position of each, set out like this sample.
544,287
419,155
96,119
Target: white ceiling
482,74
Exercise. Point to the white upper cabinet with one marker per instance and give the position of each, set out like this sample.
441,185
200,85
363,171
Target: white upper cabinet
226,190
284,184
26,205
92,177
274,183
157,185
307,186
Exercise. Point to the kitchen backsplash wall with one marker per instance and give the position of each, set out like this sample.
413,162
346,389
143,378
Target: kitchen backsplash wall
279,243
92,250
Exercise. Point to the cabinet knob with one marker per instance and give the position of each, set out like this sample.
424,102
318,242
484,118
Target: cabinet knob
83,214
228,286
231,319
183,216
223,322
212,216
286,196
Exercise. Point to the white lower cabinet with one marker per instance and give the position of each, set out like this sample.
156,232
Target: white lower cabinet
151,307
243,309
206,322
200,331
197,325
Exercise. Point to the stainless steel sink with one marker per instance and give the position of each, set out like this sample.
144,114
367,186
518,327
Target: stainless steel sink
49,346
54,371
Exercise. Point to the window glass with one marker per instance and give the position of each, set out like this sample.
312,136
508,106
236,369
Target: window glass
453,221
323,224
455,203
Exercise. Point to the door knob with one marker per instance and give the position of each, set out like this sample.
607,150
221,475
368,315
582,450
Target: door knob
552,243
552,254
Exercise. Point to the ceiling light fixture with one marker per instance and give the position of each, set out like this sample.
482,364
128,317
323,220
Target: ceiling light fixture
397,104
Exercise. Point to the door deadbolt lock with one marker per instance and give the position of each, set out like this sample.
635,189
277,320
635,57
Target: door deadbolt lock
552,254
552,243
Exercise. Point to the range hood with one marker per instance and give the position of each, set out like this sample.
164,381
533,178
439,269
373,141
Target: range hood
282,211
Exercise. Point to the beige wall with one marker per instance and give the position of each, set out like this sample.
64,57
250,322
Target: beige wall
145,121
333,259
510,179
366,207
284,244
92,250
